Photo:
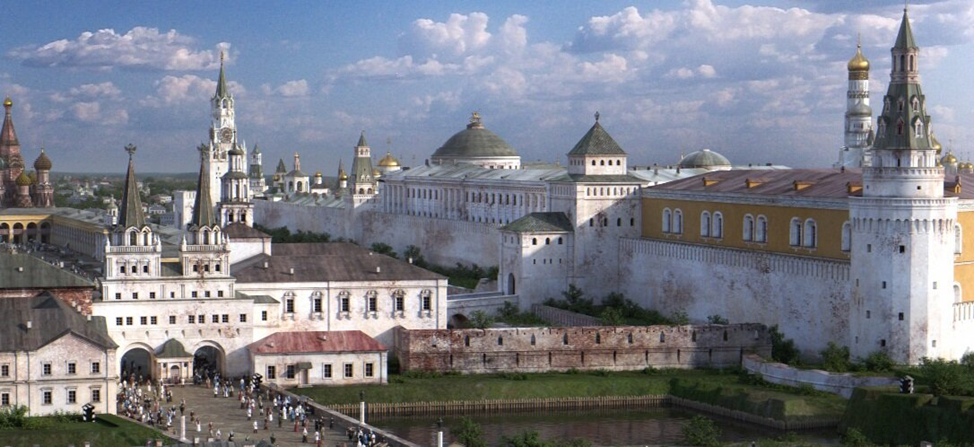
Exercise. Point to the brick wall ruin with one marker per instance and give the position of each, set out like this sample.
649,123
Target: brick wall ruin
583,348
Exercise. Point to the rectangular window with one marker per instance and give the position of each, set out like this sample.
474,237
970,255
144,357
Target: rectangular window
4,370
5,399
219,293
191,319
373,305
96,395
271,372
152,295
195,294
369,368
427,303
349,371
46,369
143,320
243,318
135,295
206,294
153,320
344,304
226,318
128,321
118,321
172,294
201,319
326,370
135,269
48,397
72,396
317,304
172,319
196,268
121,270
400,303
263,315
73,367
145,269
289,373
215,319
95,368
118,296
289,305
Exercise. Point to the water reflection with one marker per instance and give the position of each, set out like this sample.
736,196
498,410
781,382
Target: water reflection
620,427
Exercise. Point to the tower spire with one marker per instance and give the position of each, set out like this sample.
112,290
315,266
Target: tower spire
203,208
221,85
131,213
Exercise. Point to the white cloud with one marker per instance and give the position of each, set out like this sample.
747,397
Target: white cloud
458,36
139,48
104,91
92,112
290,89
178,89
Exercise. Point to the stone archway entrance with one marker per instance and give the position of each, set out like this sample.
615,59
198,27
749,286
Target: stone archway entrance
208,361
458,321
137,365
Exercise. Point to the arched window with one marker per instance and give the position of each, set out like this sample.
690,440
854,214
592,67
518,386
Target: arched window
593,162
958,293
795,233
602,163
717,230
899,128
547,241
902,62
958,239
918,128
678,221
705,224
810,238
912,62
667,220
748,234
534,241
846,236
619,222
560,241
916,104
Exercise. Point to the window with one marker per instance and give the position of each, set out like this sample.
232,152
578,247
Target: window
705,224
316,304
958,239
121,270
145,269
118,296
72,368
427,300
349,370
678,221
152,295
399,301
846,236
143,320
289,305
271,372
172,319
118,321
810,237
263,315
206,294
369,369
748,234
717,230
153,320
226,318
48,397
191,319
95,368
343,301
72,396
326,370
195,294
219,293
795,233
4,370
289,372
96,395
372,301
243,318
5,399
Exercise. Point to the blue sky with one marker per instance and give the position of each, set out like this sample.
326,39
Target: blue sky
760,81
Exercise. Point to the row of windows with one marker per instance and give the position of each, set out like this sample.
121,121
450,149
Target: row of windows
348,371
191,319
547,241
47,396
371,301
755,229
604,222
47,368
194,294
600,162
608,191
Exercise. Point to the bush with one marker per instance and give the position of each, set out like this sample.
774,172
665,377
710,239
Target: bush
650,371
469,433
512,376
701,431
13,417
855,438
835,358
393,365
612,316
480,320
420,374
945,377
384,249
680,318
878,361
571,371
968,360
599,373
717,319
783,350
412,252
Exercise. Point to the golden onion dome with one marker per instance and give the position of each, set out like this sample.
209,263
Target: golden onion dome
23,179
389,161
376,173
935,144
318,174
858,62
948,159
342,175
7,102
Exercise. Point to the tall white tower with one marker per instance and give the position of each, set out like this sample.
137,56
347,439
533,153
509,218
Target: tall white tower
223,135
258,184
858,116
236,204
902,229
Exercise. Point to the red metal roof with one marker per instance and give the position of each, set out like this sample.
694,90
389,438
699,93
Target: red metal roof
315,341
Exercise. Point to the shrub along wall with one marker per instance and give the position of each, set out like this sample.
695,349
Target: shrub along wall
887,417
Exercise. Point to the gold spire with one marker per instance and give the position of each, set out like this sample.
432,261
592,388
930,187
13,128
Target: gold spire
7,102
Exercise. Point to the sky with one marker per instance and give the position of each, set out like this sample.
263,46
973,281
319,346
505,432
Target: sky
759,81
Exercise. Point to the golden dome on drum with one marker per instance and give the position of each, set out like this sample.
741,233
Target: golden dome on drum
342,175
376,173
389,161
858,62
948,159
7,102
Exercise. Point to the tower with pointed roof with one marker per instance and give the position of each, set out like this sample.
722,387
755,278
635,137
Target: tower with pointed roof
43,189
223,135
858,116
133,251
903,228
205,252
10,156
236,203
362,184
258,184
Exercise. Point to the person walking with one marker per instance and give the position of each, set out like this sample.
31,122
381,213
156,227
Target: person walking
304,436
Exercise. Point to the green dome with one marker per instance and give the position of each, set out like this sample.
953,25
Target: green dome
23,179
475,142
43,163
706,158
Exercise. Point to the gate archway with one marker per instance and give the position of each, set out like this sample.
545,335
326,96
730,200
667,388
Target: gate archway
136,364
209,360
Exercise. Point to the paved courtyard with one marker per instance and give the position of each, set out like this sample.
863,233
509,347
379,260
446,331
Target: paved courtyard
226,415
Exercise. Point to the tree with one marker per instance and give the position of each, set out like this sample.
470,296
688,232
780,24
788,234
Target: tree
384,249
469,433
480,319
783,350
413,252
525,438
701,431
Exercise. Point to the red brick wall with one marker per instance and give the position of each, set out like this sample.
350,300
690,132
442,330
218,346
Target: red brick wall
72,296
608,347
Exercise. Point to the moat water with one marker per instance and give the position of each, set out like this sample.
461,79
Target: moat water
617,427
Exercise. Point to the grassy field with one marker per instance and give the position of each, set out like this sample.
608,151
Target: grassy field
477,387
108,430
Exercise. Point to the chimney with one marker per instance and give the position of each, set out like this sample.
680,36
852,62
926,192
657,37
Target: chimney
292,271
378,269
20,269
410,260
30,324
266,265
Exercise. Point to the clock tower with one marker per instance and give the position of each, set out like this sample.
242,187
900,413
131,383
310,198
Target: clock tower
223,136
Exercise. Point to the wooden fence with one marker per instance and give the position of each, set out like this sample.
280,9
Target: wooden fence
574,403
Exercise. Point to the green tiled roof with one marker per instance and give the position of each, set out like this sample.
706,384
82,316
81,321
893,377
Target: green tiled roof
541,223
904,39
131,212
36,274
203,214
597,142
173,349
473,142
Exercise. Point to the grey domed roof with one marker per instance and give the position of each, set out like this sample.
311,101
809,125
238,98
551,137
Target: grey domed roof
861,109
704,159
475,142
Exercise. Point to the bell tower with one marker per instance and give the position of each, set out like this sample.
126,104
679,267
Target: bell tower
223,135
